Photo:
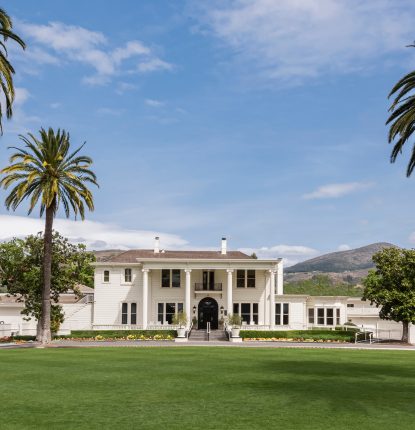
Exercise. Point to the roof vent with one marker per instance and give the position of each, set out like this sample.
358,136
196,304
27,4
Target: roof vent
156,245
223,250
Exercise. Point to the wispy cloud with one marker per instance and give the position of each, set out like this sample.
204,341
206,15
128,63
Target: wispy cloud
95,235
154,103
292,40
58,43
332,191
344,247
109,111
291,254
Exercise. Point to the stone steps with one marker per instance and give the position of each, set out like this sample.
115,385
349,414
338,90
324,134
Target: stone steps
201,336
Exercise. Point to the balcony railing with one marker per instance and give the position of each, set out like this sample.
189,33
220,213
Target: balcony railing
204,287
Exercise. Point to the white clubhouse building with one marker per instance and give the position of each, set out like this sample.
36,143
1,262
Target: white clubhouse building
143,289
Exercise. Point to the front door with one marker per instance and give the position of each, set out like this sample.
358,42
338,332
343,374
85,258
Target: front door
209,280
208,312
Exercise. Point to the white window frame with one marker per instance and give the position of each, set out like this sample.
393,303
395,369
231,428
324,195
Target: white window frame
245,279
251,310
129,304
131,275
164,303
109,276
170,280
336,316
282,314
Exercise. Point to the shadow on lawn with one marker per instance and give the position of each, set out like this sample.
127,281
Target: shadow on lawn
358,386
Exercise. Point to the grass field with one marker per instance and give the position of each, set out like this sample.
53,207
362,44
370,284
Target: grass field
206,388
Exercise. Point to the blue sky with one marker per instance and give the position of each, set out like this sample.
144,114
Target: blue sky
261,121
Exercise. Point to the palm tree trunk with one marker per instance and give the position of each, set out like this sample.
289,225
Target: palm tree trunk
405,331
45,333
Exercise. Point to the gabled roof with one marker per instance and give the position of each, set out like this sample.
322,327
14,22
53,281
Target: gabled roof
135,255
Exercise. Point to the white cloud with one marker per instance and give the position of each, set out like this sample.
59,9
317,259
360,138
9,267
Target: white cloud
95,235
344,247
331,191
58,43
291,40
154,103
21,95
55,105
124,87
291,254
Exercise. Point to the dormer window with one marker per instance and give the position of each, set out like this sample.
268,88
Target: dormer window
127,275
106,275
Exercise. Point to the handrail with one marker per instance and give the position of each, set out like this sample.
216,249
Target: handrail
208,330
365,333
203,287
190,330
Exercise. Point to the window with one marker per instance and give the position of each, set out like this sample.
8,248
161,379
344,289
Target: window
166,311
250,279
165,278
240,279
124,313
170,311
311,315
175,283
246,312
170,278
106,275
133,313
255,312
282,318
350,305
127,275
245,278
285,315
329,316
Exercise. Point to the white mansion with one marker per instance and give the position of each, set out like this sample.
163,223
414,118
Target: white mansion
143,289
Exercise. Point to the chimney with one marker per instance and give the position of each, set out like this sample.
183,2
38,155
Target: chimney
156,245
223,250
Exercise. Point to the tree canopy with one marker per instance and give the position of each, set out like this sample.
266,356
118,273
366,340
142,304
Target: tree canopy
392,286
21,263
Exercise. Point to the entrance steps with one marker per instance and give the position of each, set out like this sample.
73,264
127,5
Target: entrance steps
201,336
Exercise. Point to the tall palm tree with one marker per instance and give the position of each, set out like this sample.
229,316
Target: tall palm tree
45,171
402,117
6,69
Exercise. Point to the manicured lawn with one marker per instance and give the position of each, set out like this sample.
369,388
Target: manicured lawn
206,388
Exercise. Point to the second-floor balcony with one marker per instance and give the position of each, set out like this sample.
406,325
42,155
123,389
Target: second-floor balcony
208,287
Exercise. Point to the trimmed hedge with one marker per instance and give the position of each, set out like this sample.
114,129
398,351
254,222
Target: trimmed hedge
111,334
27,338
300,335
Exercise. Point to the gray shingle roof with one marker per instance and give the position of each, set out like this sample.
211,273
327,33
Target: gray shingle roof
135,254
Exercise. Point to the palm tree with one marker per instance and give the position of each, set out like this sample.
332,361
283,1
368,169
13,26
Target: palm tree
6,69
402,117
44,171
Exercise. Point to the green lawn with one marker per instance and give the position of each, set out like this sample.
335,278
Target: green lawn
207,388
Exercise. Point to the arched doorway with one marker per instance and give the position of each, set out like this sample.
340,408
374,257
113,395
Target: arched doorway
207,312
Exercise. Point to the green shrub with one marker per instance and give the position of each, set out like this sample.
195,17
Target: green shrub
27,338
299,334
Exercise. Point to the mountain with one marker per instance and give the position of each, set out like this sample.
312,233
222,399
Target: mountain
106,254
359,259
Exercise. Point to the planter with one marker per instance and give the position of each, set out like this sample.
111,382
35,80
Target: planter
235,331
181,332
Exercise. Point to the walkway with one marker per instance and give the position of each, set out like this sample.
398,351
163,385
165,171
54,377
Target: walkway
253,344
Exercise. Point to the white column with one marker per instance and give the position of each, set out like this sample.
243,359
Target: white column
145,298
229,307
187,295
272,299
280,279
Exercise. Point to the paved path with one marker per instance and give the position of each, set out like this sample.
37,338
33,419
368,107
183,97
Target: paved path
253,344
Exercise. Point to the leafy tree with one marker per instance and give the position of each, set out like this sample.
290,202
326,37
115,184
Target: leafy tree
402,117
21,263
6,69
46,172
253,255
392,286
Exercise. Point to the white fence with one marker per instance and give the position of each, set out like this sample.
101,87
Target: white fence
135,327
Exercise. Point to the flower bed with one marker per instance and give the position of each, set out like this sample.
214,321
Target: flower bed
113,335
298,336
